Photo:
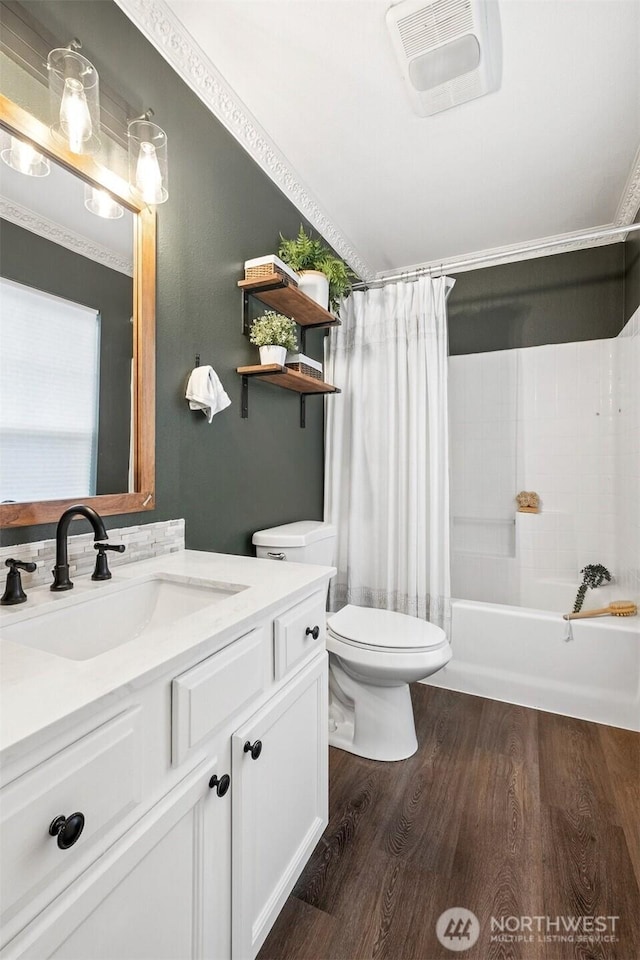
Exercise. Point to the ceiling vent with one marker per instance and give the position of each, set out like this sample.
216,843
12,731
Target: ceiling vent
450,51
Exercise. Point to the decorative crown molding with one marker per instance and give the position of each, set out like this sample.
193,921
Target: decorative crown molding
158,24
34,222
513,253
630,199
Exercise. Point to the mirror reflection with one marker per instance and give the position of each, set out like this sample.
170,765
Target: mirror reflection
66,329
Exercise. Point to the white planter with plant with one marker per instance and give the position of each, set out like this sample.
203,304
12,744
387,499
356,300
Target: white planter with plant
323,276
274,334
316,285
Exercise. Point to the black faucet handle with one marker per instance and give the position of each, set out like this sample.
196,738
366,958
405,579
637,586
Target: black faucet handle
26,565
13,592
116,547
102,571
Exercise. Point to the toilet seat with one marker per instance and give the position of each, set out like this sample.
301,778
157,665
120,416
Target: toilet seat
384,630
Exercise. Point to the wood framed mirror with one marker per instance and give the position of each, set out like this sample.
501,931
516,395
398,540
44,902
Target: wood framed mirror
132,369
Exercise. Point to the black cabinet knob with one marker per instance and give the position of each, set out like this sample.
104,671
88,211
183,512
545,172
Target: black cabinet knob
314,631
255,749
220,784
67,829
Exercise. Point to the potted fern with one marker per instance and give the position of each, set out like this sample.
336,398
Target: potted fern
274,334
323,276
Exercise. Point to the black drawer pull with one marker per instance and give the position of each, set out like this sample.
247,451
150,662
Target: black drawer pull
67,829
220,785
255,749
314,631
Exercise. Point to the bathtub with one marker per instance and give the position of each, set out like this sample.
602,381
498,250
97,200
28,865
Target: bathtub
520,656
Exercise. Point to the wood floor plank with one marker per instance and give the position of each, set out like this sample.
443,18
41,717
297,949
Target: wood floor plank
301,933
573,769
424,824
351,832
622,755
588,873
510,730
497,870
392,915
621,749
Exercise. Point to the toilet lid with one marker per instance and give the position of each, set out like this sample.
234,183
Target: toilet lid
384,628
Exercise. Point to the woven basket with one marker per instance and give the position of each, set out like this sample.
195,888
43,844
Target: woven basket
264,270
306,369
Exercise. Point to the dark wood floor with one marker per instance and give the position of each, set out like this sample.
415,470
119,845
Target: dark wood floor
504,810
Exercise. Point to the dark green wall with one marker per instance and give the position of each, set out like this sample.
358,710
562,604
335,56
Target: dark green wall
37,262
234,476
557,299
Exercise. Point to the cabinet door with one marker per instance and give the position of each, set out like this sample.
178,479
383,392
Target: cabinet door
152,896
279,803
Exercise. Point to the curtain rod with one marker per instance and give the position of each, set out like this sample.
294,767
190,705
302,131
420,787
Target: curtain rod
452,265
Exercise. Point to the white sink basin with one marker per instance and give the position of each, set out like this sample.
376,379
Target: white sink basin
106,620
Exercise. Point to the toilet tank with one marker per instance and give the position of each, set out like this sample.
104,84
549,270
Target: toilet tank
306,541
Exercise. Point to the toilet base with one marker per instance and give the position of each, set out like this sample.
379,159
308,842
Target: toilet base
371,721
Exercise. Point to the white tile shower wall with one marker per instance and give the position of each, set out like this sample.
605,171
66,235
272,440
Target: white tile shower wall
628,459
550,419
566,452
483,418
142,541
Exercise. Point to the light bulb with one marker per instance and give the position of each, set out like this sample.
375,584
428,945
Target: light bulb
148,176
75,119
22,157
101,204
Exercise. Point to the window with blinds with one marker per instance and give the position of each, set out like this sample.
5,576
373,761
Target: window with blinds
49,390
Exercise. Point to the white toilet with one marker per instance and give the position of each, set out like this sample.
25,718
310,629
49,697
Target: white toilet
373,655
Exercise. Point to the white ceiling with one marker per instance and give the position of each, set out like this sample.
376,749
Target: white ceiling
550,153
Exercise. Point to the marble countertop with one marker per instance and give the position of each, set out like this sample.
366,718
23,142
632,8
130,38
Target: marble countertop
39,690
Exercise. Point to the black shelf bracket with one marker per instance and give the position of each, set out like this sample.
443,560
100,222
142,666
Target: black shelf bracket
244,402
246,326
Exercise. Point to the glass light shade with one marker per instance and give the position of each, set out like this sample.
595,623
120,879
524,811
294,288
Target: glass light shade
25,159
101,203
74,100
148,161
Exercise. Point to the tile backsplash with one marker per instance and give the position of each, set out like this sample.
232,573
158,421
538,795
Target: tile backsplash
142,542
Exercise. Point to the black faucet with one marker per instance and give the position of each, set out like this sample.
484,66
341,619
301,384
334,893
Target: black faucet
61,579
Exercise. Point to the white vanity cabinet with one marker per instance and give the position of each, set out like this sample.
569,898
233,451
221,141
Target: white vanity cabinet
199,868
279,772
147,896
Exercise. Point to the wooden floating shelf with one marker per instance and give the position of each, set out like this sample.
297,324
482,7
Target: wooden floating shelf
289,379
276,292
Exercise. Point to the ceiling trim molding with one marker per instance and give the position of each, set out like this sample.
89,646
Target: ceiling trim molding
35,223
630,199
513,253
157,22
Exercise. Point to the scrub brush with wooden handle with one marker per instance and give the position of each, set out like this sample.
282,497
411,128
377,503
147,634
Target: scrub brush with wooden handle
618,608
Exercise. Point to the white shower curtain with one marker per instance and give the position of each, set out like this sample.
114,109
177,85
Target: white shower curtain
387,456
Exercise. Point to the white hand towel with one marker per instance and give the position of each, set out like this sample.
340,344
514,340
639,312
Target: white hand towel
206,393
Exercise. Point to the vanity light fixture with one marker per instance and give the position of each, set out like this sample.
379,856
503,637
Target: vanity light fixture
147,159
74,99
25,159
101,203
